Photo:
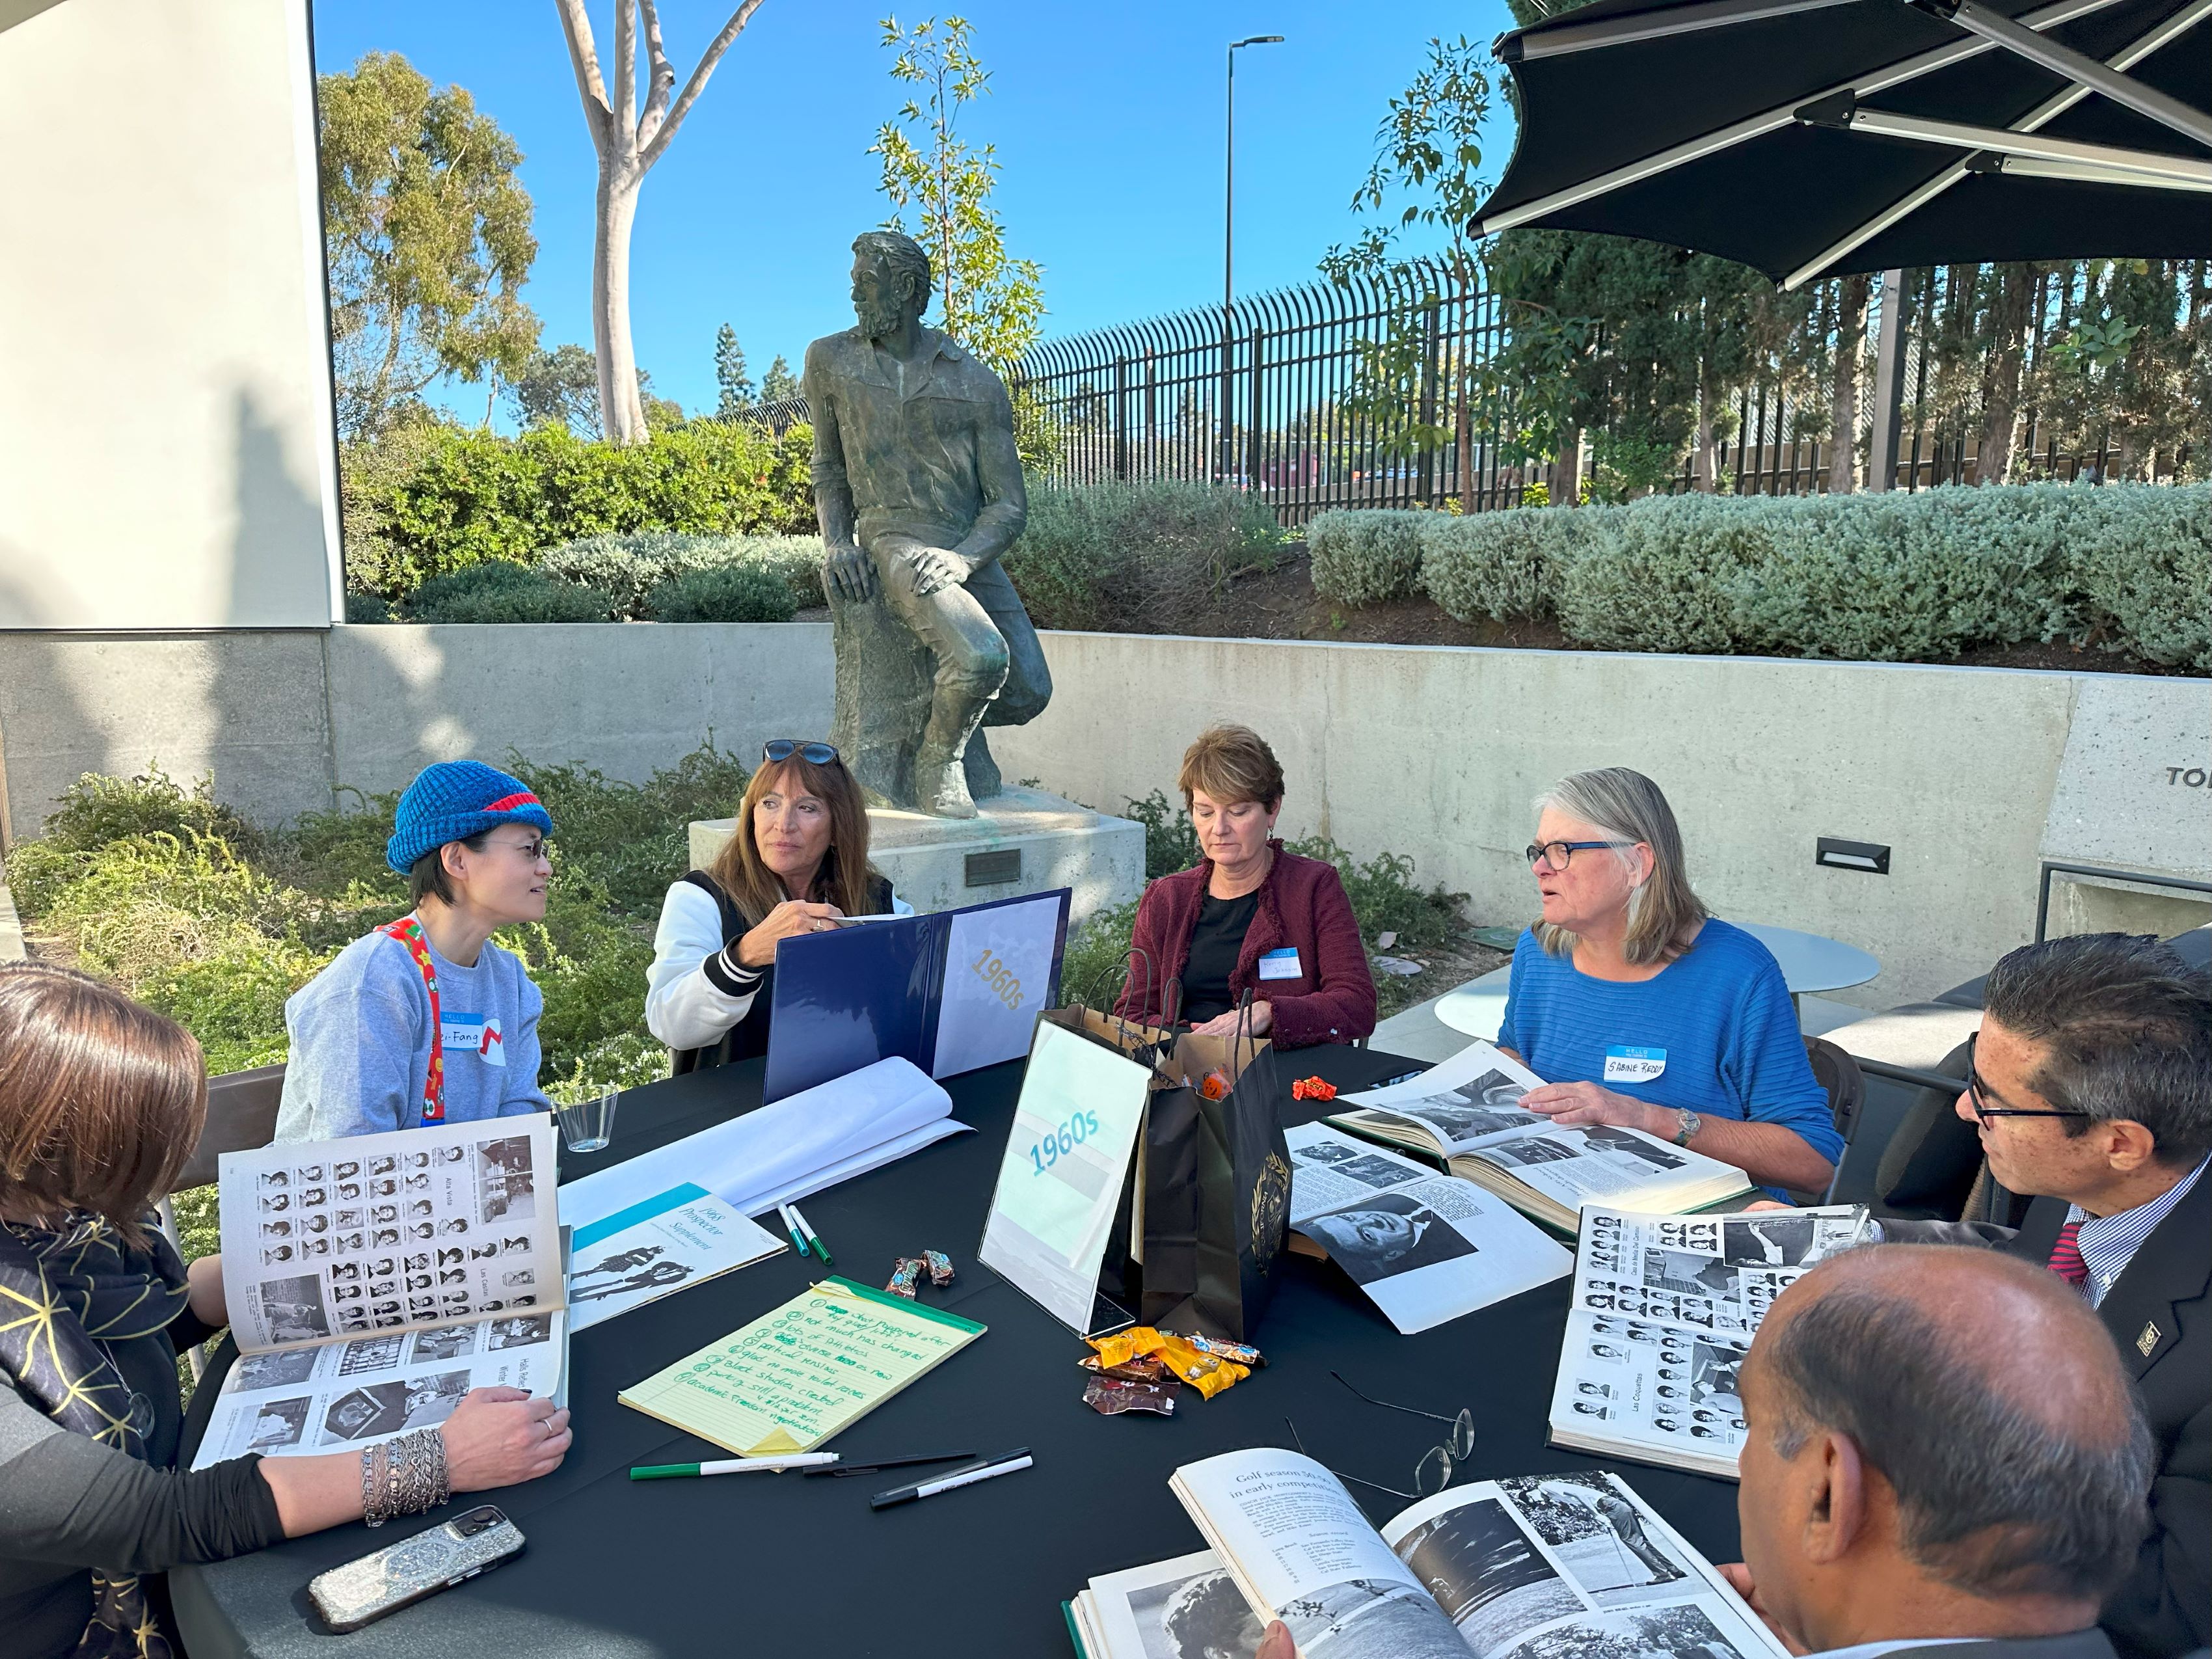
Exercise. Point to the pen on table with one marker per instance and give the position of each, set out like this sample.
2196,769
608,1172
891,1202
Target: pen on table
812,1238
893,1463
792,1227
808,1461
1005,1463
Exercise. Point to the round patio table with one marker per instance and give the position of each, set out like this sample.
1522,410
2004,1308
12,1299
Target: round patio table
1808,962
780,1564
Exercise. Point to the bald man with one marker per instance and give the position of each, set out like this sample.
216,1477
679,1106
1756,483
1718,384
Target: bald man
1944,1449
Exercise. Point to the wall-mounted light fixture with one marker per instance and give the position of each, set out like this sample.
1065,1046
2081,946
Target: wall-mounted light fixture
1867,858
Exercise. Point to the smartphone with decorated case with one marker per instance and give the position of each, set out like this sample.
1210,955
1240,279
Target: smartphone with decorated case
363,1591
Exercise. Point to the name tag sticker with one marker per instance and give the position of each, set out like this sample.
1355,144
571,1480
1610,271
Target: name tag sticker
473,1034
1280,964
1627,1065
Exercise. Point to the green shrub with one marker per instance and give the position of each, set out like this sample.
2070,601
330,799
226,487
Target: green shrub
1367,556
630,567
1170,842
441,498
723,593
1137,556
1096,959
1383,897
500,590
629,840
1500,566
1657,574
2143,559
367,608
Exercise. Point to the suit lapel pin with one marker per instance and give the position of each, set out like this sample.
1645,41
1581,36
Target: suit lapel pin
2148,1340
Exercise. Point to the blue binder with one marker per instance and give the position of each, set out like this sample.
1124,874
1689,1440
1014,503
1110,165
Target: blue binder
849,997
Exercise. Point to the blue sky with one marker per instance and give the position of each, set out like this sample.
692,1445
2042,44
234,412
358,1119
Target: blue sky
1106,118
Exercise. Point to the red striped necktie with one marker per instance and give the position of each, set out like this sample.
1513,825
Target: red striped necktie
2066,1256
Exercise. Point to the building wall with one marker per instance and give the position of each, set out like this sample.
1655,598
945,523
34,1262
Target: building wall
166,457
1971,776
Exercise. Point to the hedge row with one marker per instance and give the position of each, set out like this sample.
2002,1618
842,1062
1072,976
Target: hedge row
1896,577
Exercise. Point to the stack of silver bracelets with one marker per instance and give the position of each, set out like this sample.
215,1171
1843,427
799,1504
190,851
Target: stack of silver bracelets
404,1476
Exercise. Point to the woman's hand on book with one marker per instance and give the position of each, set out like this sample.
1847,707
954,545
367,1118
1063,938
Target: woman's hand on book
500,1437
1739,1578
1573,1103
1277,1644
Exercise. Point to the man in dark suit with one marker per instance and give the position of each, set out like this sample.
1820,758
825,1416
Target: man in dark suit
1943,1448
2090,1082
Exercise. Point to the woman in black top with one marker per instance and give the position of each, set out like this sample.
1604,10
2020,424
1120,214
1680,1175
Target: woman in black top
101,1102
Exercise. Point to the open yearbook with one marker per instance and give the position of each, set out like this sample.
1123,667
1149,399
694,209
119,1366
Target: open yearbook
1466,1110
1664,1311
1556,1566
1425,1246
372,1282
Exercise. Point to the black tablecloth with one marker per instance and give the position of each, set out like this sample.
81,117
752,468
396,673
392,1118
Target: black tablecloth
777,1564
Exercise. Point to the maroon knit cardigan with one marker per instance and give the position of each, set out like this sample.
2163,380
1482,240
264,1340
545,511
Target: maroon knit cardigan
1302,904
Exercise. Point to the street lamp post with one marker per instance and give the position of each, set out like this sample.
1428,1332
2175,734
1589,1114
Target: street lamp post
1229,255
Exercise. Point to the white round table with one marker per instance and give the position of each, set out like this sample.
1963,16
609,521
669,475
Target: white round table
1809,963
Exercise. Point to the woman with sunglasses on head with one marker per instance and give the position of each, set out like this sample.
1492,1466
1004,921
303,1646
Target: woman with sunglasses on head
795,863
426,1020
1642,1009
101,1103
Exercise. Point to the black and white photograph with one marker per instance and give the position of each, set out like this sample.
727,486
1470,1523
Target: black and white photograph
1202,1617
1390,1234
506,1184
274,1423
1323,1152
1377,1172
519,1333
1369,1618
449,1343
1683,1632
1713,1379
382,1408
654,1276
1598,1535
1489,1579
1605,1137
293,1308
1517,1154
1483,1106
373,1353
1689,1275
275,1371
1783,1241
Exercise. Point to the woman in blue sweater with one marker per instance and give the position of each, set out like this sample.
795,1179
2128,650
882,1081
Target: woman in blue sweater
1644,1010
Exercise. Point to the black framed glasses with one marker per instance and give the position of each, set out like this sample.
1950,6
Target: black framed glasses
1555,856
1438,1465
1976,1089
779,749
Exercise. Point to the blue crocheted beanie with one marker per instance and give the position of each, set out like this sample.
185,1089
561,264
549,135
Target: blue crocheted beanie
453,800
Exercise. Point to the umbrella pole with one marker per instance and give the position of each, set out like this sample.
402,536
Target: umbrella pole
1887,429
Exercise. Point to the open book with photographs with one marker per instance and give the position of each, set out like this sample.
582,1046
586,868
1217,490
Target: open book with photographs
1664,1311
1555,1566
1466,1111
372,1282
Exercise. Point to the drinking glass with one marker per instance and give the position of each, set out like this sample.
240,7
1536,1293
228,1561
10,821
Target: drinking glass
588,1124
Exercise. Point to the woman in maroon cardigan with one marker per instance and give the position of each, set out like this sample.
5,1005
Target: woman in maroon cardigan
1249,917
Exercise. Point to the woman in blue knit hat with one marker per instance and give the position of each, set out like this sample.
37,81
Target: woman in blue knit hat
426,1020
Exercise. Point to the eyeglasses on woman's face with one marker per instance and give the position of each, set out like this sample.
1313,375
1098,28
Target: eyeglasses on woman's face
1556,855
1979,1094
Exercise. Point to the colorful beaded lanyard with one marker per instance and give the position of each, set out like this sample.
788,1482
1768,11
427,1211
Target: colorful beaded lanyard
409,932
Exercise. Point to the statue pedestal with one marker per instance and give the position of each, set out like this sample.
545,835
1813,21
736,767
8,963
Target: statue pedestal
1022,841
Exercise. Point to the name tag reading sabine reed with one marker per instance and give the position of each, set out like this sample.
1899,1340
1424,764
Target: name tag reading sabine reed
1626,1064
1280,964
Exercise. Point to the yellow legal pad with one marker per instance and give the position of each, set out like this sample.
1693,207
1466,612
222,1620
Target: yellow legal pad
801,1373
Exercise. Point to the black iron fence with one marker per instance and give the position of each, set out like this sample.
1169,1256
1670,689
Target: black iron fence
1371,393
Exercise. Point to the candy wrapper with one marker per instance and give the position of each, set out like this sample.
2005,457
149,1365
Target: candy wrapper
1313,1088
1111,1396
910,1269
1135,1370
1207,1365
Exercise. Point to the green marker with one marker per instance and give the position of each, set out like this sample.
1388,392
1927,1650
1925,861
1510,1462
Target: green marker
812,1238
732,1466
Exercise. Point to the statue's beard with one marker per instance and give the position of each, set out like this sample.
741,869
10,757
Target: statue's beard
879,322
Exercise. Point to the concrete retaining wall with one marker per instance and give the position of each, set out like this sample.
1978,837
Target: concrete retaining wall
1971,776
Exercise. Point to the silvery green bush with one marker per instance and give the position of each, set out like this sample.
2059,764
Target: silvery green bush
1892,577
630,567
1501,565
1366,557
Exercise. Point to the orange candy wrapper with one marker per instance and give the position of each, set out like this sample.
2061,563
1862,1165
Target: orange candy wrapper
1196,1360
1313,1088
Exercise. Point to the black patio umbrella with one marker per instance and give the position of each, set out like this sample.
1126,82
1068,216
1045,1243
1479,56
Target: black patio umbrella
1810,137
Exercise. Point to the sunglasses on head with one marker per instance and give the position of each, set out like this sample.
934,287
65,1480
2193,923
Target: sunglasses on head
779,749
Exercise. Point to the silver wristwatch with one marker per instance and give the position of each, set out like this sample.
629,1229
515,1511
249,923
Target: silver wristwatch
1688,1131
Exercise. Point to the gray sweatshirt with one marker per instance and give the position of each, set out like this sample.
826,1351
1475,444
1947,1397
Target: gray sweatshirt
360,1043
